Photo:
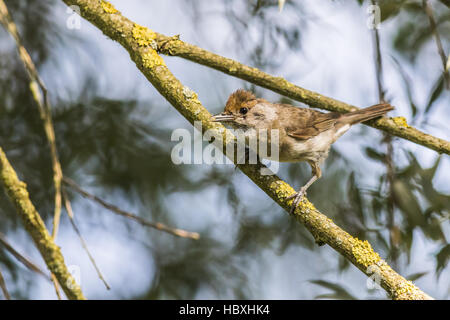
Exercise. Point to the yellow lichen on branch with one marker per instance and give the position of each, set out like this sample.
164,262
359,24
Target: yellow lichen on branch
18,194
151,59
401,122
146,38
406,291
363,252
108,7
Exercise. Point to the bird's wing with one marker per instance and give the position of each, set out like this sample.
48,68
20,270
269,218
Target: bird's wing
307,123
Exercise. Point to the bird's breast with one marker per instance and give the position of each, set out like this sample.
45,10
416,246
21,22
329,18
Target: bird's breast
315,148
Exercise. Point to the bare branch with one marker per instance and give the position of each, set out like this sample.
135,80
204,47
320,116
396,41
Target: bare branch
387,139
69,210
56,286
25,261
123,213
3,286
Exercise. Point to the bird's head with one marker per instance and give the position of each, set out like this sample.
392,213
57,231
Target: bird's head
238,108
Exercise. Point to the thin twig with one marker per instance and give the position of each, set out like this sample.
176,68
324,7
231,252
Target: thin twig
429,11
3,286
390,170
22,259
56,286
156,225
378,63
387,139
83,243
390,178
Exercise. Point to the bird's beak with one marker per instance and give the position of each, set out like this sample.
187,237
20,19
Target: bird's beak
223,117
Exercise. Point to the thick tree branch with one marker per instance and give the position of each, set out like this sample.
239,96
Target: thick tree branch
18,194
140,43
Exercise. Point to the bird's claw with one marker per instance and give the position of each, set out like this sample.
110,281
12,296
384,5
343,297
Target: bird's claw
298,196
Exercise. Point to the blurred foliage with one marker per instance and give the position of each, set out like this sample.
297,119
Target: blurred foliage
258,32
338,292
119,149
413,33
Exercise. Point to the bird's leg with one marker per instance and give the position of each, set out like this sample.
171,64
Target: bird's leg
317,173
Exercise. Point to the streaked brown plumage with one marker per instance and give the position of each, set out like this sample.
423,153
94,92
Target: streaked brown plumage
304,134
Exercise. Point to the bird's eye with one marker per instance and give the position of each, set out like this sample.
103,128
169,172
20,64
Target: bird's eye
243,110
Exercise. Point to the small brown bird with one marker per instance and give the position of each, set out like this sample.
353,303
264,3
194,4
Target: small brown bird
304,134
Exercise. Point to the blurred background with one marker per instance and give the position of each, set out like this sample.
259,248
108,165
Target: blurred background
113,133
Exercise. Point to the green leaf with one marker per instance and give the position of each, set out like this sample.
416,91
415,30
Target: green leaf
355,198
338,291
407,84
375,155
446,2
390,8
442,259
415,276
407,202
438,88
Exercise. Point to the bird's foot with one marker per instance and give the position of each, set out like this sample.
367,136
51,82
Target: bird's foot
298,196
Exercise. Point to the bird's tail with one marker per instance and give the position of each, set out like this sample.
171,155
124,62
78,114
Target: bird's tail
367,113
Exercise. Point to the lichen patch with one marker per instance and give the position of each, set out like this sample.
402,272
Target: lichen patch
189,93
143,36
406,291
401,122
363,252
108,7
152,59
